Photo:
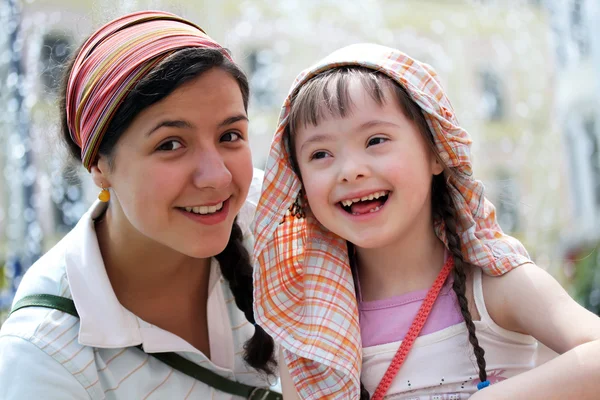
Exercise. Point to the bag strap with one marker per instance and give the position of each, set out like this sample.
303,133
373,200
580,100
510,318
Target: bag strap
171,359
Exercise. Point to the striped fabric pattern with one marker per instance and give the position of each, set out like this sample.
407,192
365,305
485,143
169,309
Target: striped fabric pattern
304,292
113,60
125,373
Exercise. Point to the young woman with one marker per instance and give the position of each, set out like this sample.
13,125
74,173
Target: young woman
157,113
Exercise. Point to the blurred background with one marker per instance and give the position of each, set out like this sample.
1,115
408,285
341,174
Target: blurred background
523,75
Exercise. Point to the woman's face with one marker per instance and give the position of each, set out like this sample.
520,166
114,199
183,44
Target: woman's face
182,170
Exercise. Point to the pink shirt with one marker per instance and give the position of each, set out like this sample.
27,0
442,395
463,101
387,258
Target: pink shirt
441,364
388,320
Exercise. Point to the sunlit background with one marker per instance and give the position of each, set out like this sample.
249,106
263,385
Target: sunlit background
523,75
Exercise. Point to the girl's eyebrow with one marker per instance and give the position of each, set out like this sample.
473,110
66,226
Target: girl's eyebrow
377,122
325,137
320,138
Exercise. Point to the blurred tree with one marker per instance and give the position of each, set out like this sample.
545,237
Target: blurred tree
585,262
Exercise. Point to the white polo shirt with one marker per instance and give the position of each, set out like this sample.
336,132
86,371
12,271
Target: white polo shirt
48,354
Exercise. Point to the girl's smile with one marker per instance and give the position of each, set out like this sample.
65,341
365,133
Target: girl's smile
366,204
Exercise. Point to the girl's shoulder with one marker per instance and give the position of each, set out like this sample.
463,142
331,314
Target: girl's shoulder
503,293
523,298
529,300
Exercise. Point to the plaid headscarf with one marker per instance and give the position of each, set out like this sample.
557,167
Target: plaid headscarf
112,61
304,292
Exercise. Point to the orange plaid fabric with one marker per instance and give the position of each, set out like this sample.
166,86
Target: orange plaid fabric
304,292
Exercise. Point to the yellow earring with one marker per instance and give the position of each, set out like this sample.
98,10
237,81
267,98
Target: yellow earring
104,195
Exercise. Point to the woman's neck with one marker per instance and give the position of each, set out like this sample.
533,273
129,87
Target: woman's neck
409,264
159,285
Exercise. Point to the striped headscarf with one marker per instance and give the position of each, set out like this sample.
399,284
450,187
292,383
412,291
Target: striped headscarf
112,61
304,291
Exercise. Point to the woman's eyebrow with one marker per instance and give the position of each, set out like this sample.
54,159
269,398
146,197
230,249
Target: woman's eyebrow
232,120
171,124
187,125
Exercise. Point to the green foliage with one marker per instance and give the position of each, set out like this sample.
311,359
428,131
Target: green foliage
586,282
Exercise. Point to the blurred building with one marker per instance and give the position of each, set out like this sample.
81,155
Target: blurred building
576,33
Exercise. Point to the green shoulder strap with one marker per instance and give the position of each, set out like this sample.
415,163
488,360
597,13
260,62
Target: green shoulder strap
173,360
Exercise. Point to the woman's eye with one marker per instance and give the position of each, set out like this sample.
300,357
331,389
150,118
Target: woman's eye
319,155
231,137
376,140
170,145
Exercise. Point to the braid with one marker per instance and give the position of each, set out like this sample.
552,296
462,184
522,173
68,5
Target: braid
237,270
364,393
445,209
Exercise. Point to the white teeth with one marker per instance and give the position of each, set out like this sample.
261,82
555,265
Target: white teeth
205,209
372,196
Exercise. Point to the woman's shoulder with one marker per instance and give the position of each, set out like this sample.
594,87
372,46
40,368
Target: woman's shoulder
41,338
29,372
46,276
44,339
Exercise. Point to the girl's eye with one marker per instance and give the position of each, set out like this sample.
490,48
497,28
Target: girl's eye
376,140
231,137
170,145
317,155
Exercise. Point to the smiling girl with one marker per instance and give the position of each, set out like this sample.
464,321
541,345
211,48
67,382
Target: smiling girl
383,271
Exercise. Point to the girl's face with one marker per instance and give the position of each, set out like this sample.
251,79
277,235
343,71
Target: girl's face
367,176
183,168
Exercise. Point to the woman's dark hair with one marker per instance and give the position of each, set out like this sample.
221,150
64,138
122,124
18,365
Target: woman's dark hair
327,94
178,68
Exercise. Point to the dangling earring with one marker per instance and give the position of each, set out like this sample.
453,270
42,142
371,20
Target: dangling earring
104,195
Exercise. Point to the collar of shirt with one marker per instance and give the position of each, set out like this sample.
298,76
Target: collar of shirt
105,323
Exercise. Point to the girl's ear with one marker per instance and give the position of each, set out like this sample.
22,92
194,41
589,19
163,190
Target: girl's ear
437,167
